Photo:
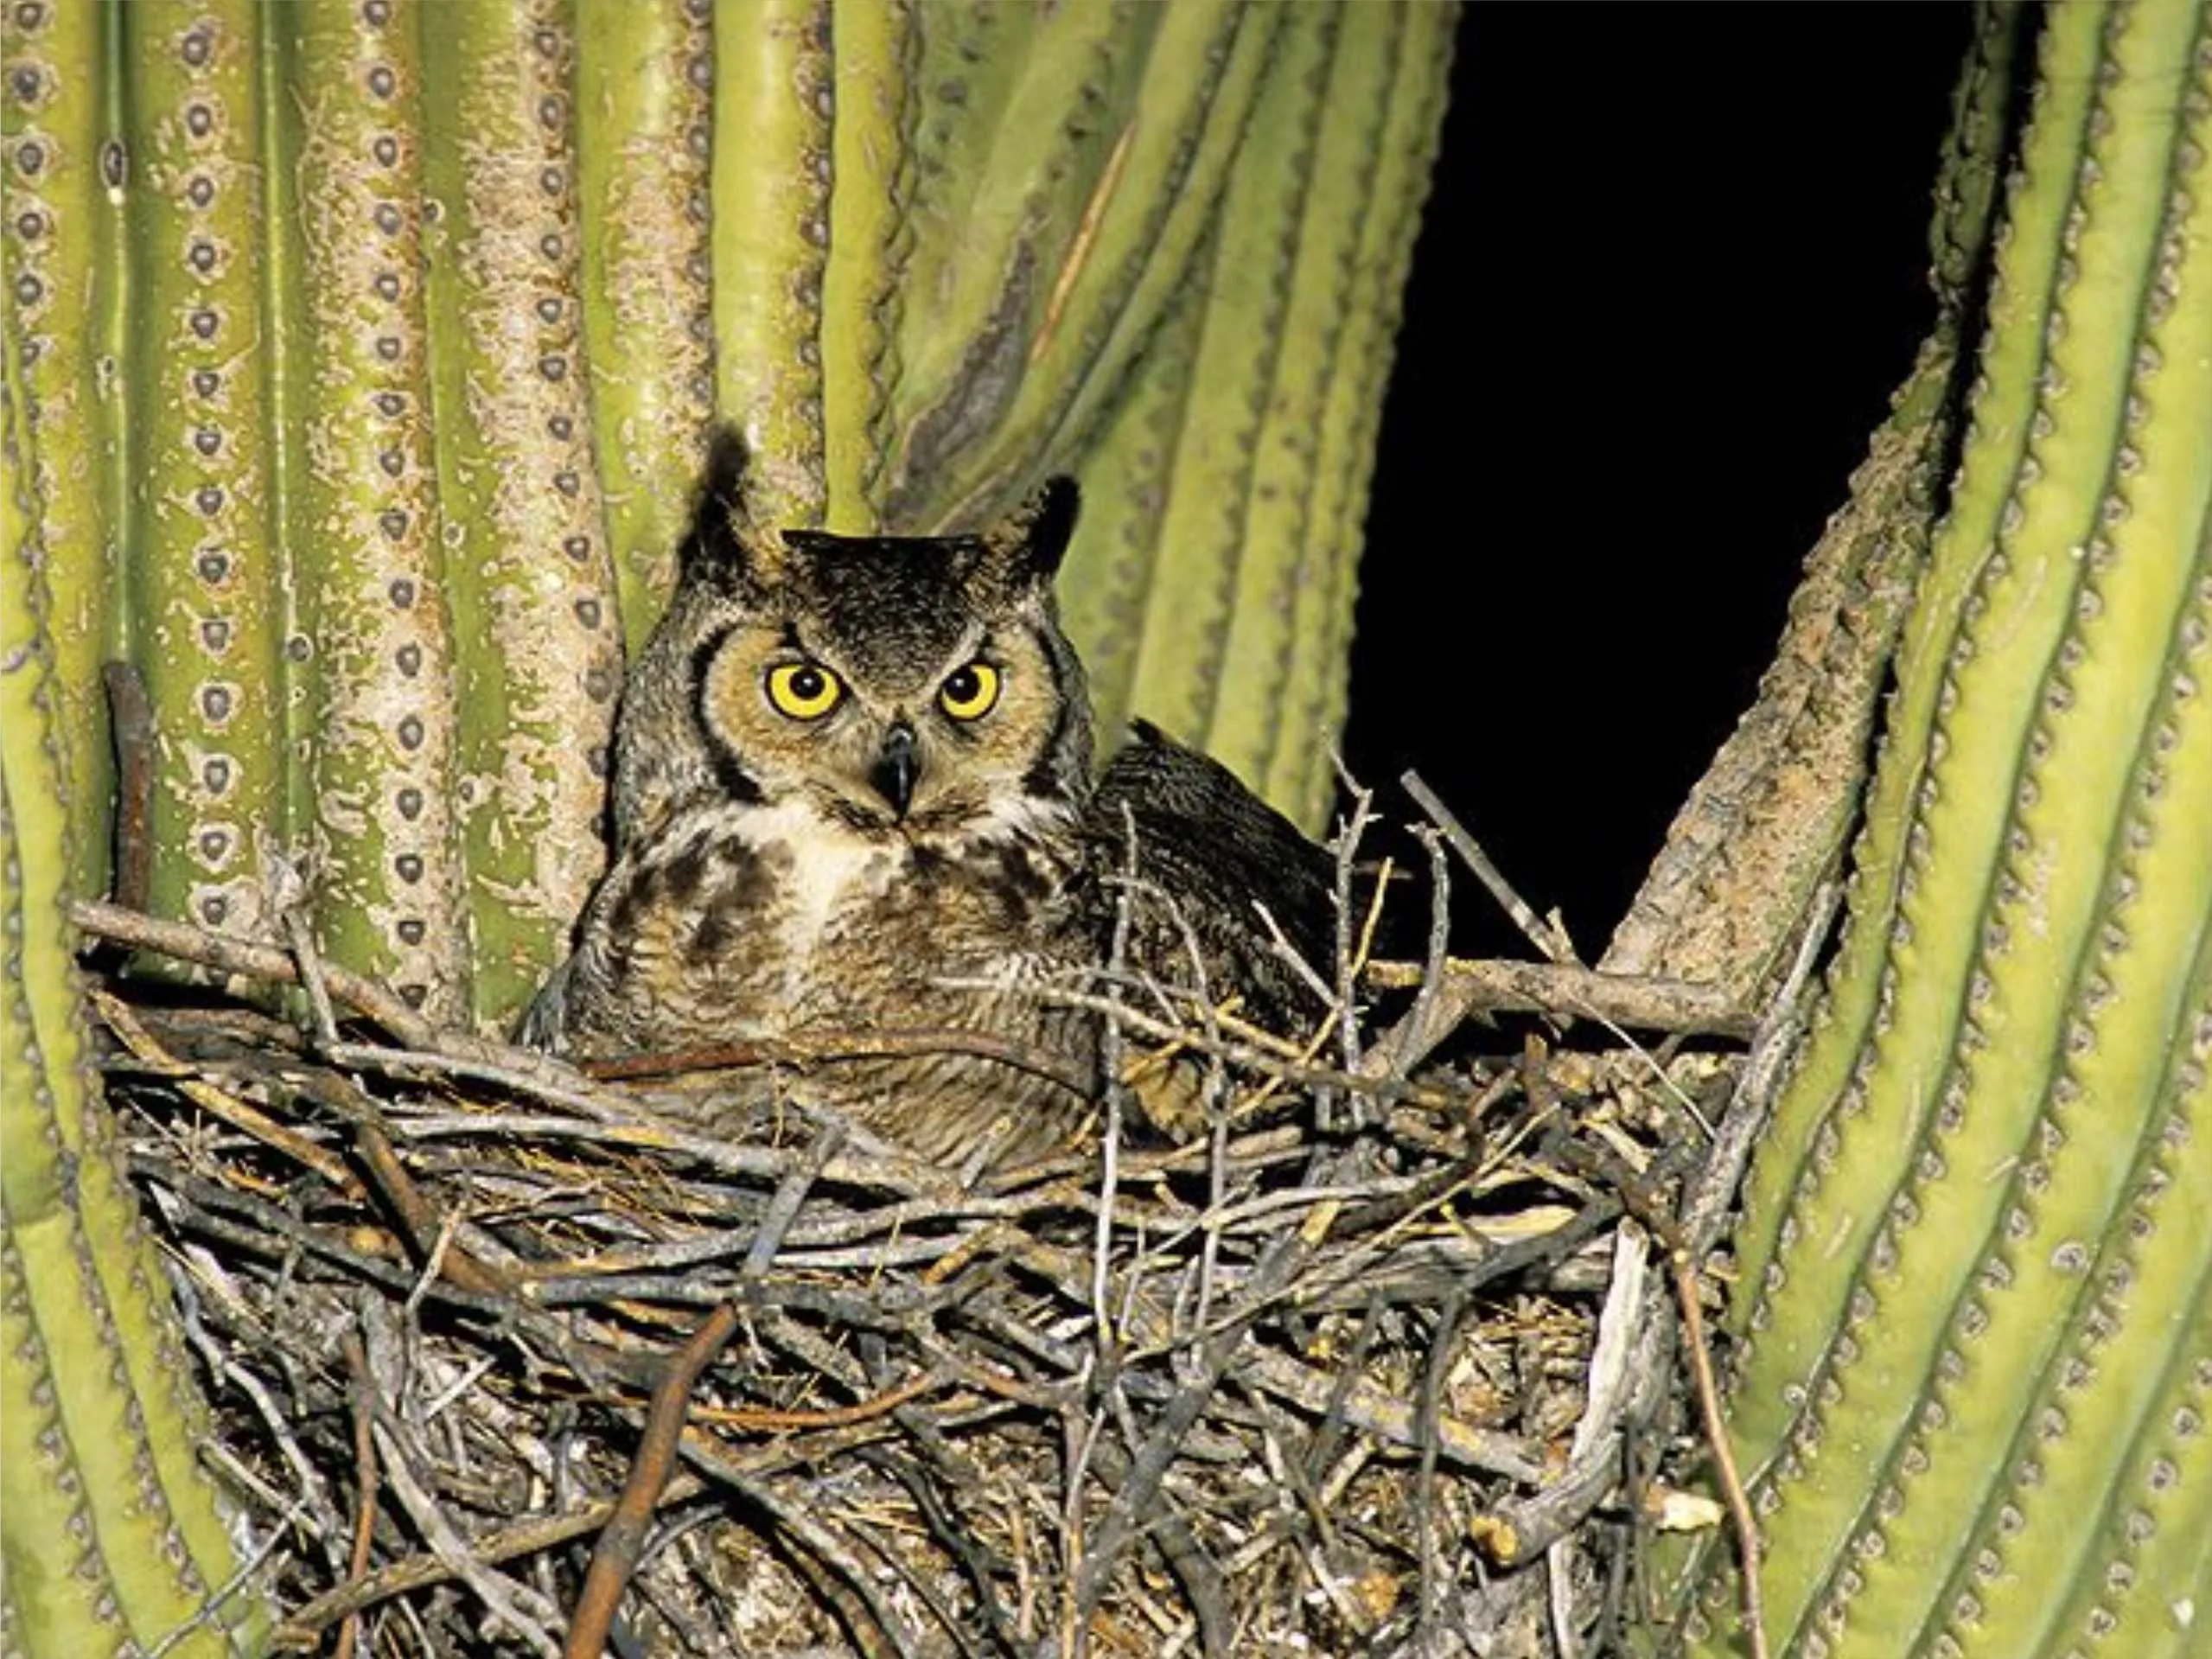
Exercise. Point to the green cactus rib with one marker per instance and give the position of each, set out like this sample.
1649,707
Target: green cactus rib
2054,901
964,334
1240,729
284,323
1204,528
1092,318
108,1533
974,56
774,102
1300,775
527,573
871,238
642,140
201,577
371,595
56,224
1827,1095
1110,565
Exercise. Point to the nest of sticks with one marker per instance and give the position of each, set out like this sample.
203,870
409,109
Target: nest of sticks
1394,1360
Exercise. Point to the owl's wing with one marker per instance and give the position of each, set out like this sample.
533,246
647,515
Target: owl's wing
1221,854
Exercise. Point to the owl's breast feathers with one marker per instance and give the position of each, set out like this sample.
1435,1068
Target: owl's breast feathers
745,922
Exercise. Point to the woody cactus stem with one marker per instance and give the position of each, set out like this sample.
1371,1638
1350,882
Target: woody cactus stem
1978,1257
369,349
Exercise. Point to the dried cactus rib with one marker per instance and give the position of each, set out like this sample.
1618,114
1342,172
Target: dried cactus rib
56,228
775,105
1300,775
98,1451
643,71
1825,1108
1205,529
1764,823
2057,908
870,240
203,582
373,596
526,570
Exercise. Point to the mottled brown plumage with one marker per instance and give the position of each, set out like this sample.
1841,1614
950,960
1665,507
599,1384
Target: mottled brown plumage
849,770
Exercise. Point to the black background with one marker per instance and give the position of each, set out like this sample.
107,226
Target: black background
1672,265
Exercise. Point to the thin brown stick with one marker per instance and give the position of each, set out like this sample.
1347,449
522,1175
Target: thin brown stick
1732,1484
420,1219
762,1419
187,943
615,1558
220,1103
364,1479
833,1048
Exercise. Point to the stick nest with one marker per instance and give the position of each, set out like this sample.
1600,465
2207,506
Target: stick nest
1384,1363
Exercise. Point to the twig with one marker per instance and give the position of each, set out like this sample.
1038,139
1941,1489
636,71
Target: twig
1731,1485
615,1558
1546,936
365,1480
187,943
505,1597
1639,1002
1347,849
1252,1059
219,1103
833,1047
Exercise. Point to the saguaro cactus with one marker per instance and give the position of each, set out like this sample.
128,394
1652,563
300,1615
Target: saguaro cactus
1977,1288
368,351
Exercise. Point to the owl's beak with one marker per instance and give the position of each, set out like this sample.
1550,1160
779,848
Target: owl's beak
897,767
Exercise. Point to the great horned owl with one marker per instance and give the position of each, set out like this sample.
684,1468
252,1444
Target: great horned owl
853,782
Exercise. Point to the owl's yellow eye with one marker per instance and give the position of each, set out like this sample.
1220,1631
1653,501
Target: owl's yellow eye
805,691
968,693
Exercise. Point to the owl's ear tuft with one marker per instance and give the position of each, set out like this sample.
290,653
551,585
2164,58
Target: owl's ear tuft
1029,542
724,543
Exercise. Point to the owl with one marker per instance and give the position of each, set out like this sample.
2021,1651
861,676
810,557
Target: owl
854,799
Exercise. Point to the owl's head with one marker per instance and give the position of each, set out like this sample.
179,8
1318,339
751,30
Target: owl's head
898,684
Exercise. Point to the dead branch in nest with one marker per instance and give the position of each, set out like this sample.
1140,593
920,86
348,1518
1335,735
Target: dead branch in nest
1360,1377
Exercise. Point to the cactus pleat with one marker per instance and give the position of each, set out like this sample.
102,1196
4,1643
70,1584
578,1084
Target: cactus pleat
870,236
1264,604
1979,1298
1126,487
643,73
109,1533
526,568
377,634
1182,639
62,286
1083,298
772,174
203,579
1394,176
